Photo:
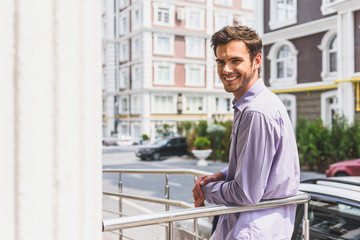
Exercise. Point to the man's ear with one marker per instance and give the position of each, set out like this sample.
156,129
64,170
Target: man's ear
257,61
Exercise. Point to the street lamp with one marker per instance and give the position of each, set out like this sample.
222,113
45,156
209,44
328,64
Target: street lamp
179,103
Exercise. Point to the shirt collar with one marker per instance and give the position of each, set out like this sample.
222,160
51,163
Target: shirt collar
248,96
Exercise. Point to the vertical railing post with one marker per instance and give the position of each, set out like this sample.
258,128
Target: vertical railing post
195,234
120,205
306,230
169,229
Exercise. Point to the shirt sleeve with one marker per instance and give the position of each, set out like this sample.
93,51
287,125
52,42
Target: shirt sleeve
254,151
224,172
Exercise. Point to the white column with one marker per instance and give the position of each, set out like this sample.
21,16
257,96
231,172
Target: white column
7,121
50,121
145,116
346,94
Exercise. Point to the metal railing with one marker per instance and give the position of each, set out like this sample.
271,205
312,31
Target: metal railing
189,212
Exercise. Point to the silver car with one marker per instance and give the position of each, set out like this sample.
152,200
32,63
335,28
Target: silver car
334,208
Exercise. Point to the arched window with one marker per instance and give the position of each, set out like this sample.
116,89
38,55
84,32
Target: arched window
329,50
333,55
283,62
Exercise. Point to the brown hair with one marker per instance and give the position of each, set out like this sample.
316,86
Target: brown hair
242,33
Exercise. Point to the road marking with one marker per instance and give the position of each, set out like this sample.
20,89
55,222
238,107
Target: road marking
175,184
134,205
137,176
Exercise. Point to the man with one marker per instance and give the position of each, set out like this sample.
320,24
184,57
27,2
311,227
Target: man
263,162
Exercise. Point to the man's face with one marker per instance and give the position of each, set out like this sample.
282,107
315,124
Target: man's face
234,68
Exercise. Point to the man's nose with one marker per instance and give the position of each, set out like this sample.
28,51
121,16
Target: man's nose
227,68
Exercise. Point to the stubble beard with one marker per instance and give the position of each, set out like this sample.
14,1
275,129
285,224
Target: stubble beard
245,79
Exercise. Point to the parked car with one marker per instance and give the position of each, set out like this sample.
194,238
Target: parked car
344,168
334,208
175,146
120,140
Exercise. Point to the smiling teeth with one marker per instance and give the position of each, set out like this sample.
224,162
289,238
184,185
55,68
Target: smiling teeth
230,79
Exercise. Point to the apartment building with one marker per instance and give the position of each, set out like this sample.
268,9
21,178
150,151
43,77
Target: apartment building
158,65
312,56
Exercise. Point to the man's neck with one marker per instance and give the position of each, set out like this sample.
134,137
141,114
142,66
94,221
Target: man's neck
239,94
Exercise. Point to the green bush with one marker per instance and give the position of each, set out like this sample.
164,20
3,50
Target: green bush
225,142
202,143
320,146
216,134
145,137
190,139
201,128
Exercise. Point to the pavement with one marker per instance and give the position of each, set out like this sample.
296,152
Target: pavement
131,207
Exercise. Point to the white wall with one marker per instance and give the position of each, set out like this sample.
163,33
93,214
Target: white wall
50,120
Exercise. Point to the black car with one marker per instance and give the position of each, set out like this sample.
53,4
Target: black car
334,209
175,146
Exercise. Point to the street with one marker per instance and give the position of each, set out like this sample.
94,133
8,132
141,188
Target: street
150,185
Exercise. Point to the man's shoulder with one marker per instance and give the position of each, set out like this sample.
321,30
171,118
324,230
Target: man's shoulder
266,102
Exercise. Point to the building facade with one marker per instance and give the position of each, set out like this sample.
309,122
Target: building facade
311,56
158,65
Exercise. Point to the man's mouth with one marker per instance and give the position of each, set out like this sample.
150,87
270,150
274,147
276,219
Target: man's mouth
230,78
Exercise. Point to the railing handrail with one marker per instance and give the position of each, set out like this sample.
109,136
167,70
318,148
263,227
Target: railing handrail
159,171
174,203
184,214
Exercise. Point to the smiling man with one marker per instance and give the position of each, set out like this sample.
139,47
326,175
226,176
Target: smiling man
263,162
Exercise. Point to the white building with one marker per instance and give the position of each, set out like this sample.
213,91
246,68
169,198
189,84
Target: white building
158,66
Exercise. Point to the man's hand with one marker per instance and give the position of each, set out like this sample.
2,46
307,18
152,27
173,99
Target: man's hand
198,194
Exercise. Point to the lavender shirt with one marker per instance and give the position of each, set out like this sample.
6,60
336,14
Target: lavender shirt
263,165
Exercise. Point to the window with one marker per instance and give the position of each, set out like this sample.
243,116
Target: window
194,104
224,2
124,78
222,20
247,4
124,51
329,107
124,23
329,50
135,48
135,77
137,131
135,18
124,108
290,105
223,105
163,44
282,13
194,19
163,104
124,130
194,75
283,62
164,73
195,47
136,106
333,55
164,14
